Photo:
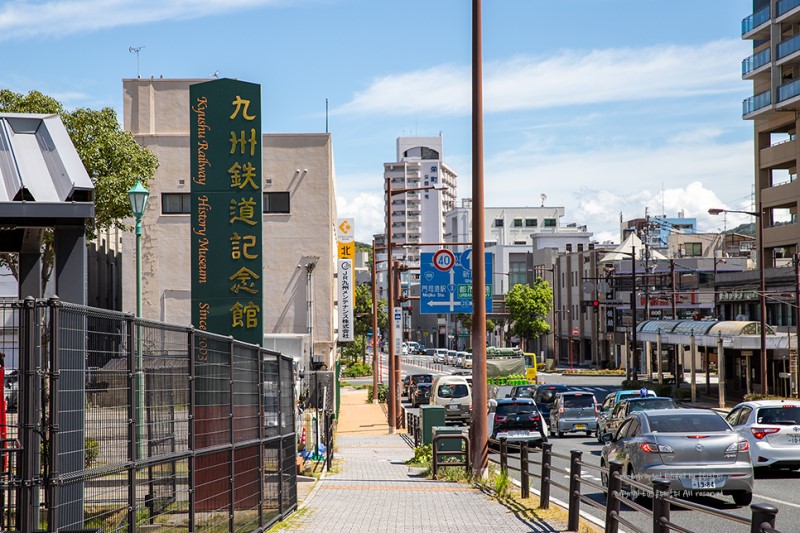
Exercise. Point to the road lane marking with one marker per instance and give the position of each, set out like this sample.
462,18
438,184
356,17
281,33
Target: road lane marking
776,500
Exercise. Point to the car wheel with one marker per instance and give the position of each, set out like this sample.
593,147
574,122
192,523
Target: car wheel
588,433
560,434
742,497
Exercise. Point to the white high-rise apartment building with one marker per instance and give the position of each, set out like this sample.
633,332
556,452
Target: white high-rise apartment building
418,216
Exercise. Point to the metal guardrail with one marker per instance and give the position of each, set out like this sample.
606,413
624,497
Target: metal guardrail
621,489
440,453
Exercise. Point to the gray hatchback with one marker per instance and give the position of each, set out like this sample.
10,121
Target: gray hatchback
573,411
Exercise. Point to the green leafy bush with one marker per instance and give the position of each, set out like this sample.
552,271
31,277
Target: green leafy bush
357,370
383,392
752,397
91,451
423,456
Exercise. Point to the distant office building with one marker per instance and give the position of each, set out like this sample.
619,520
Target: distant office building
656,231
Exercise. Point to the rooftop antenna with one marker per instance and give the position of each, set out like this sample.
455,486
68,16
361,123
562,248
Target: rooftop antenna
215,74
136,50
663,209
326,115
542,197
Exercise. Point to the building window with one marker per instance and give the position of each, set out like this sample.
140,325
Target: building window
517,222
517,274
498,222
530,222
276,202
694,249
489,244
549,223
175,203
520,242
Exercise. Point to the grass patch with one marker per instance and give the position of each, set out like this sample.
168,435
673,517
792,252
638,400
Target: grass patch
292,521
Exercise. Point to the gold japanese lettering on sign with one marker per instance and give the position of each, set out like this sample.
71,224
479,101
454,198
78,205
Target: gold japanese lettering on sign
245,281
243,106
244,316
242,140
241,246
243,211
242,175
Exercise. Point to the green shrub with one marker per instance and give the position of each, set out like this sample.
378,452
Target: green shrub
683,394
501,484
91,451
383,392
357,370
752,397
423,456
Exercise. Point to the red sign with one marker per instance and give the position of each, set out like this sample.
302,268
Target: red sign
576,331
444,260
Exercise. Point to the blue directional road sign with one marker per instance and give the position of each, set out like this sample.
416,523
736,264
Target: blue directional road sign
446,282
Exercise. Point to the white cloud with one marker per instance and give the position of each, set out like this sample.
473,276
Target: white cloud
63,17
368,211
570,77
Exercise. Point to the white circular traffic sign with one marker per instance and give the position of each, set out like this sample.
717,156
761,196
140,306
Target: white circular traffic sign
443,260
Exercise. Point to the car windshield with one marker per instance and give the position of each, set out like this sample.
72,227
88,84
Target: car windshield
456,390
682,423
547,396
425,378
787,414
515,408
653,404
578,400
524,392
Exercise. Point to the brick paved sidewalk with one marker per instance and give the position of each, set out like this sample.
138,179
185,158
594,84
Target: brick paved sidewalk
374,492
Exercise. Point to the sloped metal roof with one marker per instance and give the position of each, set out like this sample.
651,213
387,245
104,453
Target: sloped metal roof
38,162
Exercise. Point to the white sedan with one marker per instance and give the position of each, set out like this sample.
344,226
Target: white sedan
772,427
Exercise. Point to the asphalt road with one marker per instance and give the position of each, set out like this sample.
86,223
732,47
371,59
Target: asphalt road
777,488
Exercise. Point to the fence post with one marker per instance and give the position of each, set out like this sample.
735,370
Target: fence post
525,481
503,455
612,499
54,417
660,505
574,490
544,491
762,513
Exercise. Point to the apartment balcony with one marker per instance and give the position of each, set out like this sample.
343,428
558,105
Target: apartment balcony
779,192
778,155
788,11
789,95
788,50
756,26
756,104
756,64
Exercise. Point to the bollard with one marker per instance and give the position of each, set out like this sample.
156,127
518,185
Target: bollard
525,481
573,520
544,490
660,505
762,513
612,499
503,455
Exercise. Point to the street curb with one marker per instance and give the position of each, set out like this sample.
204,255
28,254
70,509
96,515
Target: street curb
313,492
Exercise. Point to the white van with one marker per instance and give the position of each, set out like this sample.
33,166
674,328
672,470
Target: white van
455,395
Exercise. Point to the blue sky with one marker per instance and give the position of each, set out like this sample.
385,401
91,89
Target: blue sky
599,104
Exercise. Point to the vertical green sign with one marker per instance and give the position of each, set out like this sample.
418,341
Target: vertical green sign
225,147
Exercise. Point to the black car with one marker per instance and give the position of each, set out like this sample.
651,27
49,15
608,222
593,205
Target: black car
522,391
545,396
516,420
420,394
406,383
414,380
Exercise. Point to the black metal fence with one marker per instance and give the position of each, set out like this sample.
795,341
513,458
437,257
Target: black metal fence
123,423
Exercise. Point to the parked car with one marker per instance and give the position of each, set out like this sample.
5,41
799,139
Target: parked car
430,352
629,405
544,398
516,420
772,428
695,449
522,391
421,394
416,379
455,395
574,411
608,404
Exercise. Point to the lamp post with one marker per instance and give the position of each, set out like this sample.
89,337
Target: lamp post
394,360
634,311
138,195
762,292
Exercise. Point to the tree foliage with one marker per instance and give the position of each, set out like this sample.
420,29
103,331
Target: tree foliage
112,158
528,307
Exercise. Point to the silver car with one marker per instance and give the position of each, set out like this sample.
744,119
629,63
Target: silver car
574,411
696,449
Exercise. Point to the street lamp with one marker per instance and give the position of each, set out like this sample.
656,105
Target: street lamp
634,311
394,361
138,195
762,292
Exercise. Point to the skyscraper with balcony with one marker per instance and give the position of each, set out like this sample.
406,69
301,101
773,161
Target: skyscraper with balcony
774,68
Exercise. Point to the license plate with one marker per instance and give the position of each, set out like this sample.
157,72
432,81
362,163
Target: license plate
580,426
704,483
794,439
453,407
518,433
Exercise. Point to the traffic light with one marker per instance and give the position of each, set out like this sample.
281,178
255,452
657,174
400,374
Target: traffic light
596,305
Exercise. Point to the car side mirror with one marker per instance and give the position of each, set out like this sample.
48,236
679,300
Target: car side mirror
508,396
607,437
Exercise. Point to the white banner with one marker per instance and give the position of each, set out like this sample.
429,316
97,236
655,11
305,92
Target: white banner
346,304
397,323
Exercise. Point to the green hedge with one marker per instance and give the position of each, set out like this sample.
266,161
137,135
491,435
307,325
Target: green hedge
357,370
383,392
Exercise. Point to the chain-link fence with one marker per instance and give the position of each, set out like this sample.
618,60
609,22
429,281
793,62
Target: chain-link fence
113,423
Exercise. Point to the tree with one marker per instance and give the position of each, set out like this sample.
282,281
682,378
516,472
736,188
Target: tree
112,158
528,307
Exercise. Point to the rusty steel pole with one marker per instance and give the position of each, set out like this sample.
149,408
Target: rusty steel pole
375,352
479,433
391,303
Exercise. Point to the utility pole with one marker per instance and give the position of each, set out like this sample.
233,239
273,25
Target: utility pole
634,346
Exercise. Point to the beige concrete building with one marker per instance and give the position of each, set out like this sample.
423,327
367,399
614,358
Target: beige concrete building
774,68
298,224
